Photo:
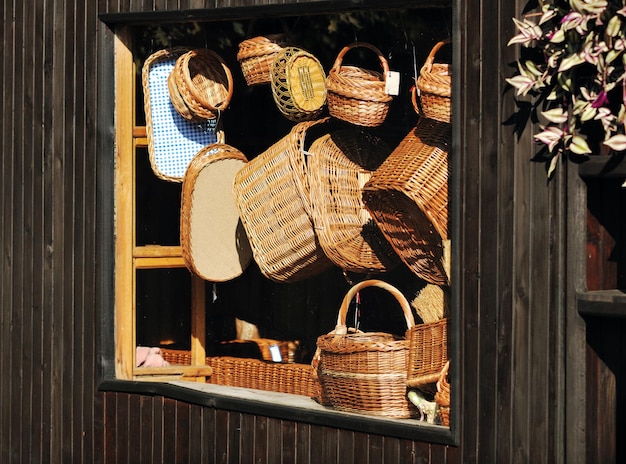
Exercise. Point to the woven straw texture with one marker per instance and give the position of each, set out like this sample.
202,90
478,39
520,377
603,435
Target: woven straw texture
213,241
434,87
272,196
442,397
340,164
257,54
204,82
357,95
298,84
230,371
428,353
172,140
408,198
366,372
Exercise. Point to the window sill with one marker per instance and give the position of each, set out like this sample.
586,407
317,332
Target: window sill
602,303
282,406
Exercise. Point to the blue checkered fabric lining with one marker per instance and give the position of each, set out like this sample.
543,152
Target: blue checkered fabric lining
175,140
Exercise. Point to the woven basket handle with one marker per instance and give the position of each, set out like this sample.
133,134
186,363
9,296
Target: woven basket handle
428,65
338,61
343,310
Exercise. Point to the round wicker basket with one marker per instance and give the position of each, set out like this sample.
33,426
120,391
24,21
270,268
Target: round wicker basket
298,84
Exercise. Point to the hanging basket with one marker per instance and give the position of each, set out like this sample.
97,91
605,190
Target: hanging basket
213,242
298,84
204,83
340,164
434,88
408,198
257,54
173,141
272,196
428,353
357,95
366,372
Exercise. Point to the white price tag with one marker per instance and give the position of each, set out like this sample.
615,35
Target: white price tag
275,352
392,83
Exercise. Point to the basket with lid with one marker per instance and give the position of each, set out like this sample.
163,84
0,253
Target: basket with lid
298,84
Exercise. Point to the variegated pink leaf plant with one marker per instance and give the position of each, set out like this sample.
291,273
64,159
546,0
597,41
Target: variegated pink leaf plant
572,68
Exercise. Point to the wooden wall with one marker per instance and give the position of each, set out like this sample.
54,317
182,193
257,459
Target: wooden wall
516,331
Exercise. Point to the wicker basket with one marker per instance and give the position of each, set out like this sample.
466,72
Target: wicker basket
442,397
339,165
434,88
204,82
272,196
292,378
408,198
357,95
257,54
173,141
366,372
213,242
298,84
428,353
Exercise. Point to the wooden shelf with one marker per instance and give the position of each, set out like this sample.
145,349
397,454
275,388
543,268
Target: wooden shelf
603,166
603,303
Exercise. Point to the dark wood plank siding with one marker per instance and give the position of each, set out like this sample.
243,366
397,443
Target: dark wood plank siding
515,404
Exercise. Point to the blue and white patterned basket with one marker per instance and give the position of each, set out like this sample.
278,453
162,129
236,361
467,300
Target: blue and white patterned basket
172,140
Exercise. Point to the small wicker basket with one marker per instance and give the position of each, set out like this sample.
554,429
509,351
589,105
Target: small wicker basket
213,242
434,88
408,198
204,83
366,372
428,353
257,54
272,196
298,84
358,95
340,164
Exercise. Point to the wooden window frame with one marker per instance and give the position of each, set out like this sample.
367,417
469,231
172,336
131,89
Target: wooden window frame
119,254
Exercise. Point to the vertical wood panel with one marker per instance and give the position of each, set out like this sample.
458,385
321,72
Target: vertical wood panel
50,408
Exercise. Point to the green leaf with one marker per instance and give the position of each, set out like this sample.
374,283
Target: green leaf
552,165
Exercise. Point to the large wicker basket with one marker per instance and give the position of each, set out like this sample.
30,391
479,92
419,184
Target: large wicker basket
213,242
340,164
272,196
298,84
434,87
366,372
355,94
408,198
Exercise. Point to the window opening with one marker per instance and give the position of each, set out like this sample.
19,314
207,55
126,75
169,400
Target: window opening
159,303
